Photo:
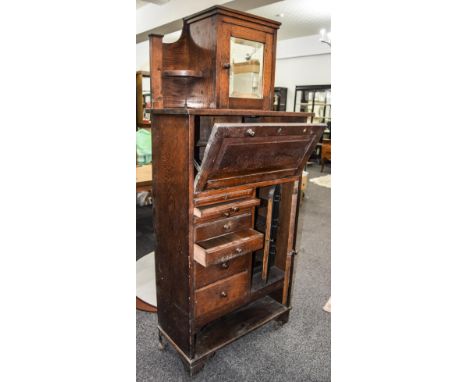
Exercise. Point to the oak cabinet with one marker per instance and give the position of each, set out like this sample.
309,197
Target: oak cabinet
226,172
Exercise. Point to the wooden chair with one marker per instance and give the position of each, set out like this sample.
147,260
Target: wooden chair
325,153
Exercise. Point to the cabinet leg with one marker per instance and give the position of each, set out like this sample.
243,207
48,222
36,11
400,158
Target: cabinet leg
194,368
282,319
161,341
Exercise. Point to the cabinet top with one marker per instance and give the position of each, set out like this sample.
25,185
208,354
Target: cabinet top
220,10
244,112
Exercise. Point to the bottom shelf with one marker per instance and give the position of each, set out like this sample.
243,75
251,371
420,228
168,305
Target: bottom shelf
236,324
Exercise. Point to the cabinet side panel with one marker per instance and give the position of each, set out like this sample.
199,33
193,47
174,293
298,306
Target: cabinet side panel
171,209
156,66
203,58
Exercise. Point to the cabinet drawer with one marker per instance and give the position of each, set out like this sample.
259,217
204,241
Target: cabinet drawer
224,197
223,210
221,295
208,275
227,247
223,226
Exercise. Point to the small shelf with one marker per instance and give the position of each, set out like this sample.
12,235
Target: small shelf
275,275
236,324
227,247
183,73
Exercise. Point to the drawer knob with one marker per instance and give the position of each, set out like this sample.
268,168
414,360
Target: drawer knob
227,226
235,209
223,294
238,250
225,265
227,213
250,132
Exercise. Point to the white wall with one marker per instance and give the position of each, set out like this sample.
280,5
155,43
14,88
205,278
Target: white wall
308,70
302,61
142,56
142,50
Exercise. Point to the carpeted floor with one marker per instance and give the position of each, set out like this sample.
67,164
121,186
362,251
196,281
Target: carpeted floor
298,351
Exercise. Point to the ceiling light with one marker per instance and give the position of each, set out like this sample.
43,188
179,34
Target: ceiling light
325,37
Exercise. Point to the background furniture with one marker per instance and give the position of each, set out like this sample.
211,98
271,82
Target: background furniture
280,99
146,284
144,178
326,153
226,176
315,99
143,99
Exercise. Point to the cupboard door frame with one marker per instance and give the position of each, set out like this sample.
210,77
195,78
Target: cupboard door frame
267,39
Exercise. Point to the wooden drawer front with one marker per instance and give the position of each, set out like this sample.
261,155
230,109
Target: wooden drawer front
222,294
242,153
223,210
224,197
227,247
223,226
208,275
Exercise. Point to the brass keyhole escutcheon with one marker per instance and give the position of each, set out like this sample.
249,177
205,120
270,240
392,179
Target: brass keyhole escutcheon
238,250
225,265
250,132
226,213
223,294
227,226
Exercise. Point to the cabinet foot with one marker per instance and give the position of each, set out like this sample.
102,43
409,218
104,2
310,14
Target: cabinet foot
161,341
282,319
194,368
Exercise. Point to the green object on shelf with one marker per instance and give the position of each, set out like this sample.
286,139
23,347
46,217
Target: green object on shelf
143,146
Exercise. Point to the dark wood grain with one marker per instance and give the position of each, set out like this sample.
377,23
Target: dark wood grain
156,67
245,113
226,196
290,243
223,210
237,324
220,227
243,153
222,295
192,73
208,275
171,195
208,293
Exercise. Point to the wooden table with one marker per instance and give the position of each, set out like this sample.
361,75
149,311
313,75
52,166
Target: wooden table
143,183
144,176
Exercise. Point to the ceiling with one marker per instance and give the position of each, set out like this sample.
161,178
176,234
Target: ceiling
299,17
140,3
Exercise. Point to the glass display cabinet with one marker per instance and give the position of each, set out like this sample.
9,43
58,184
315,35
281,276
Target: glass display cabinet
280,99
316,99
143,99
